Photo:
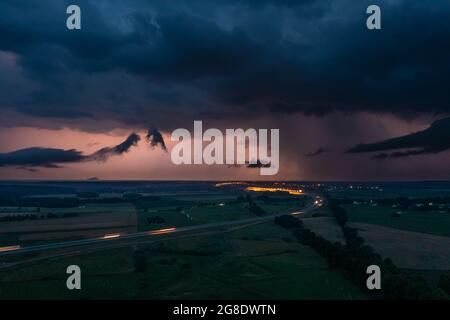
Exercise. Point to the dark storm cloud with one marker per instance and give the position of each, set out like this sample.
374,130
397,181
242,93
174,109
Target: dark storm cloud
40,157
434,139
104,153
53,158
170,61
258,164
155,138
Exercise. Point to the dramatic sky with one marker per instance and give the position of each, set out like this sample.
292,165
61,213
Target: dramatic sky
351,104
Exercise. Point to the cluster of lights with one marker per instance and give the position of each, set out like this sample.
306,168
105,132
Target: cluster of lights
294,192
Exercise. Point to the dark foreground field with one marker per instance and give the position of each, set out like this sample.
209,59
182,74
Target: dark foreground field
257,261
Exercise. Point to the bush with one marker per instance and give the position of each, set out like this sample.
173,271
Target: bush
444,282
288,222
339,213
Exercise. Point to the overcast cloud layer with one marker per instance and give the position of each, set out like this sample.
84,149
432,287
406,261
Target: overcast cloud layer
216,58
233,63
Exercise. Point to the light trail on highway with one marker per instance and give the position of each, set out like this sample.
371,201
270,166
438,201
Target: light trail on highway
197,229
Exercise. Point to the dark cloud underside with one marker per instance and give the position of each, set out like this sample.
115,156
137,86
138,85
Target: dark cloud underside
432,140
171,61
54,158
155,138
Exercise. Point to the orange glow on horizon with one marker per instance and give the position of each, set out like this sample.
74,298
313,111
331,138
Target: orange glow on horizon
294,192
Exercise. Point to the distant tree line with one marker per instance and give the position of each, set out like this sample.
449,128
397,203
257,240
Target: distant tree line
251,204
420,204
44,202
48,216
254,208
339,213
395,277
156,220
351,236
88,194
73,202
353,258
20,217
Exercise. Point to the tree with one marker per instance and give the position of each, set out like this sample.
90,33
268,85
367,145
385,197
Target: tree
444,282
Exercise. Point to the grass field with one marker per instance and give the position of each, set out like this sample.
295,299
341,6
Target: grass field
179,212
106,217
216,213
172,218
258,262
425,222
90,220
390,193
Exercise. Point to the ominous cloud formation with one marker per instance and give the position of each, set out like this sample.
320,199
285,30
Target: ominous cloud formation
40,157
432,140
124,147
258,164
155,138
225,58
289,64
53,158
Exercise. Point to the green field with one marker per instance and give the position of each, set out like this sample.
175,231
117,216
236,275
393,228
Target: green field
216,213
183,212
425,222
172,218
258,262
389,193
90,208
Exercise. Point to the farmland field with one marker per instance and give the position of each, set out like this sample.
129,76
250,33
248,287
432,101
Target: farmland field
425,222
408,249
255,262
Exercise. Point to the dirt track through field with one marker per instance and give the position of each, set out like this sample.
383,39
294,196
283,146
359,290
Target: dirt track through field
408,249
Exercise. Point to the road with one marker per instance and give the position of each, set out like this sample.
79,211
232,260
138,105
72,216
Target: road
191,230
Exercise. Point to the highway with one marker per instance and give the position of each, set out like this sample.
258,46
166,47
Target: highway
117,237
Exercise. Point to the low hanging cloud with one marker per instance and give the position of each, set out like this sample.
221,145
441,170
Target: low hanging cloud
40,157
53,158
317,152
251,165
258,164
104,153
434,139
155,138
